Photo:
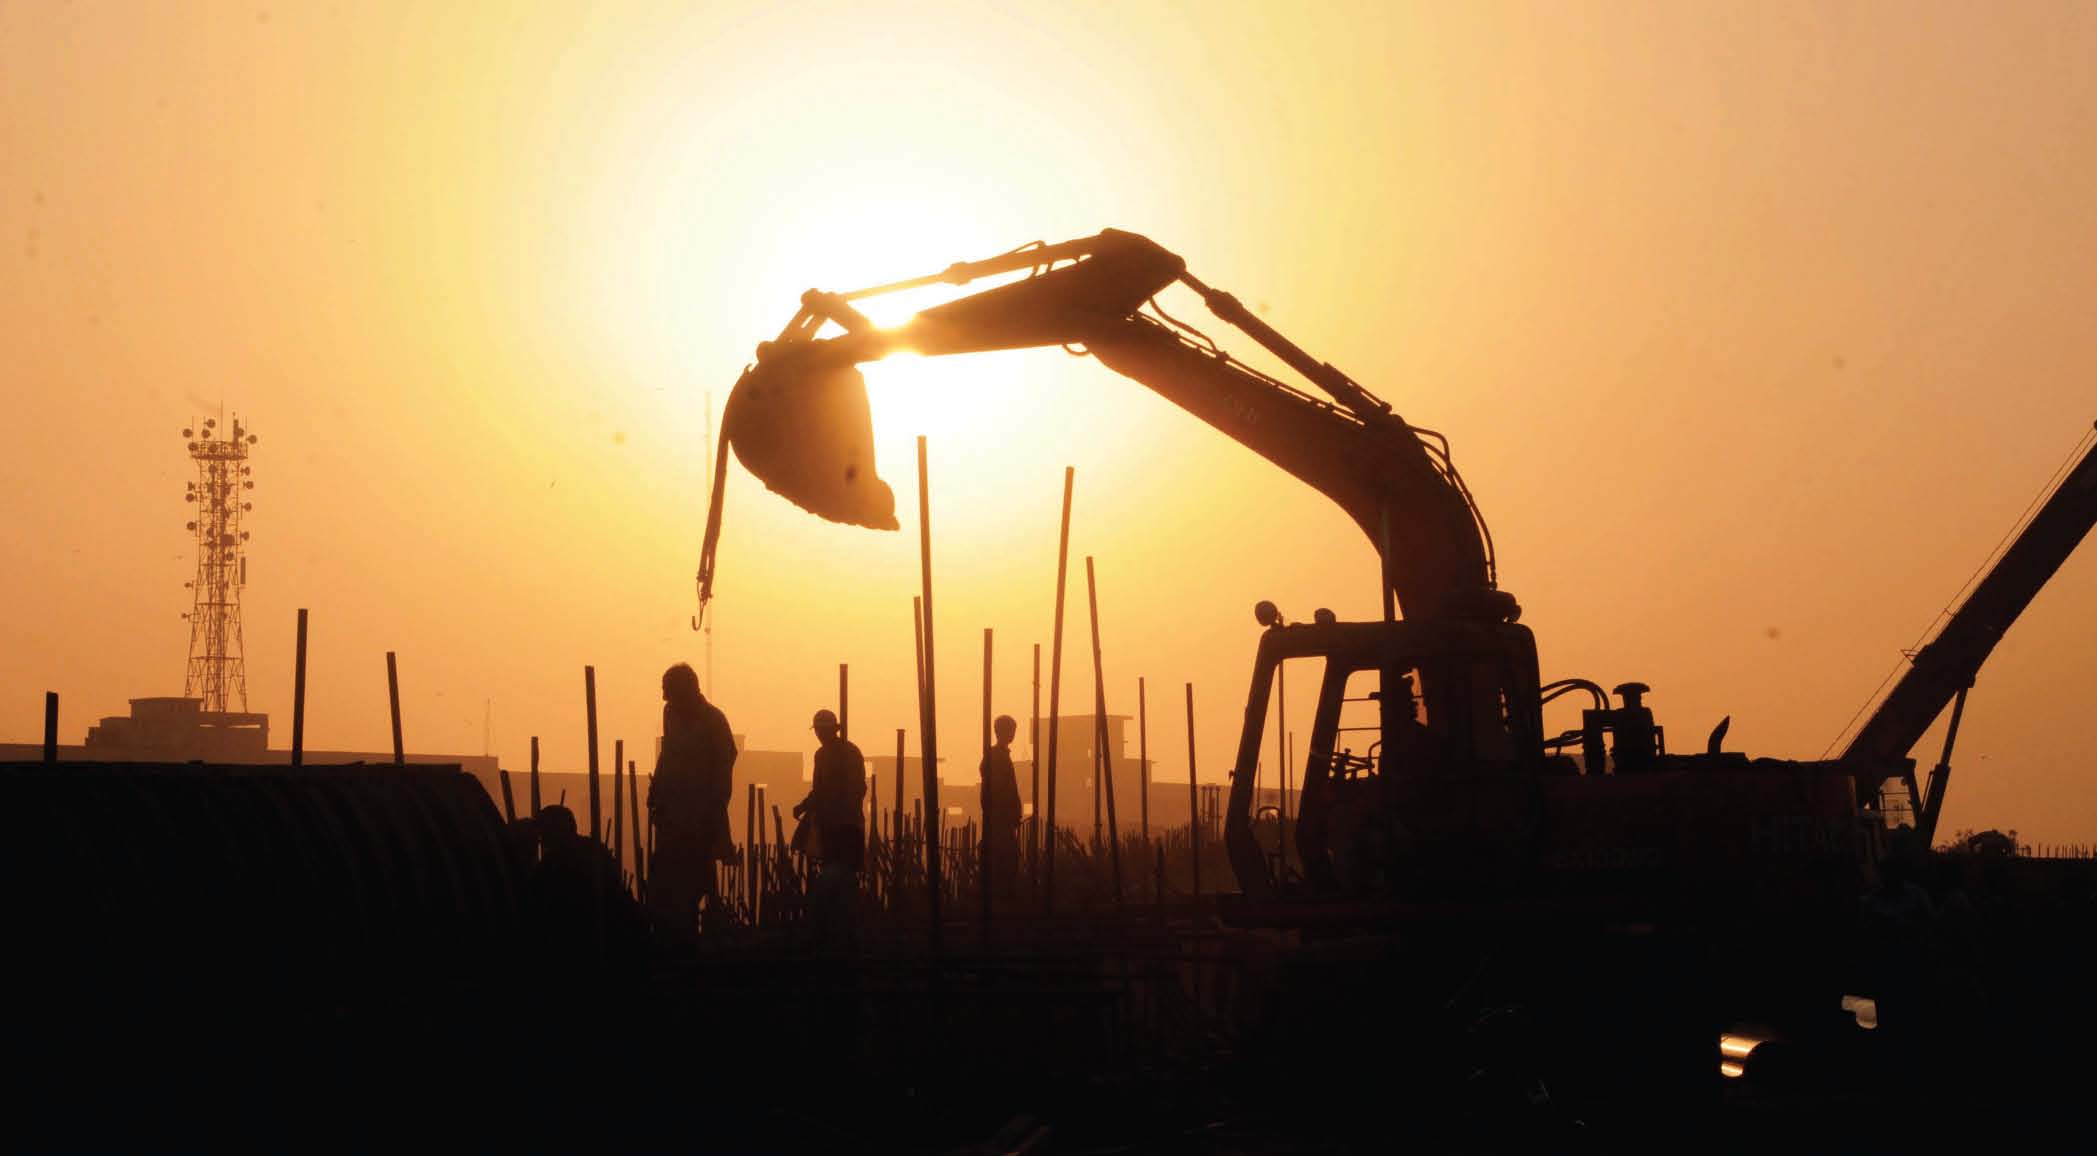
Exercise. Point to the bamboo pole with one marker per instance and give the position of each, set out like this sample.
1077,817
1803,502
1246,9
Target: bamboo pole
298,698
590,708
1105,782
509,802
844,701
535,777
1048,856
929,741
400,757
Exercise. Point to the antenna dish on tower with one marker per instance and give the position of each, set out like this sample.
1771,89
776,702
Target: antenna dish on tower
217,671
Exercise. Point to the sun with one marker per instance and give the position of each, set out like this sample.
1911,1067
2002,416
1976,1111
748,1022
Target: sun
860,243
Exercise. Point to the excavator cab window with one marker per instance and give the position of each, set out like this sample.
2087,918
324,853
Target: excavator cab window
1357,739
1346,763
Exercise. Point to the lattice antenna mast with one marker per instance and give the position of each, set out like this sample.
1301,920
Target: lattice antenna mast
217,668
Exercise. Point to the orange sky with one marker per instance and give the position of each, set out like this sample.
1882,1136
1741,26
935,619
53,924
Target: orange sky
1753,329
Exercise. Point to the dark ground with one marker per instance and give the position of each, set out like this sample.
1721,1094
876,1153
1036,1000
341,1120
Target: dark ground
235,963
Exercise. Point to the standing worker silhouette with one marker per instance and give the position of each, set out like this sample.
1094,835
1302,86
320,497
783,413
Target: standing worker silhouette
688,801
999,802
832,808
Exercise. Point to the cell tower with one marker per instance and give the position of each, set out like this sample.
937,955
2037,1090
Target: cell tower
217,668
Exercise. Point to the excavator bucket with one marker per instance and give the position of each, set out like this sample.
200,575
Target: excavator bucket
806,431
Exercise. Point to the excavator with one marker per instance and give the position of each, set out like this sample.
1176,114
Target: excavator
1433,798
1453,795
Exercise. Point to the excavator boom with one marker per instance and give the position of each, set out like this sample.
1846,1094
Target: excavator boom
798,418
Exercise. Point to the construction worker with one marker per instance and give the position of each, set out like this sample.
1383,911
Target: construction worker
575,901
835,794
688,802
1000,806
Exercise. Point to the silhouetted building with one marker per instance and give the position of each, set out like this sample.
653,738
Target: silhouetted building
779,773
179,730
1076,746
956,797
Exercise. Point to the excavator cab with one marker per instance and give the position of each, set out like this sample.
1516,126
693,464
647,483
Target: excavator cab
1428,782
1425,743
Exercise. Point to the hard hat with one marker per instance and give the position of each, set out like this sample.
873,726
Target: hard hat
825,718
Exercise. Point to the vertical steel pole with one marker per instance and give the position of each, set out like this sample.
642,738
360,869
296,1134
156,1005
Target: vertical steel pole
895,851
298,698
400,756
844,701
1048,854
1099,777
590,711
1105,781
983,844
618,805
1034,767
50,726
535,777
1194,862
917,624
930,740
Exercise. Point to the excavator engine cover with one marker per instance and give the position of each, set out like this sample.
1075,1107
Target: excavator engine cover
807,432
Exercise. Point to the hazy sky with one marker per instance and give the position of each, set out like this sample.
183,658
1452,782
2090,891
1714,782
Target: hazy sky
1753,327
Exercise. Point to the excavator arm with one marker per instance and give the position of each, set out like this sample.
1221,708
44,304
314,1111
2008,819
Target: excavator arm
798,417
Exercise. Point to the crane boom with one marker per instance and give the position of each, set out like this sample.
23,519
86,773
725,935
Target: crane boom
797,418
1946,665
